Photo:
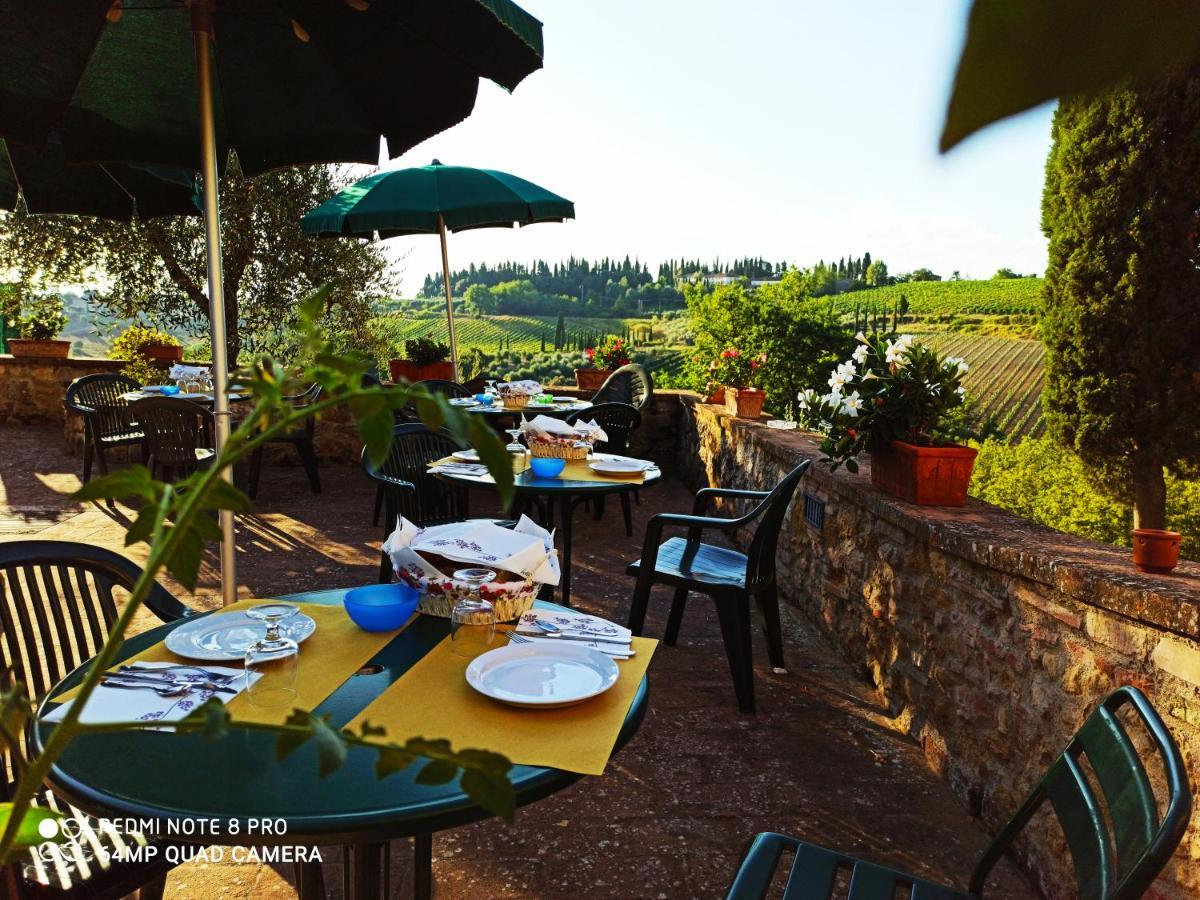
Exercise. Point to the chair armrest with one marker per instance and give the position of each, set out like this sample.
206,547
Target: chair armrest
704,494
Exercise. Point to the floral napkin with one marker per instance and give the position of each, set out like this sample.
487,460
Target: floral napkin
528,386
548,427
108,704
574,625
179,370
526,550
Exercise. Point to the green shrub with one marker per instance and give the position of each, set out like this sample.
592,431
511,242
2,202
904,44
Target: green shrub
425,351
44,318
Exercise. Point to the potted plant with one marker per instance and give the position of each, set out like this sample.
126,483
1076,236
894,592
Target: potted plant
1156,550
602,361
424,359
896,398
41,324
734,371
150,344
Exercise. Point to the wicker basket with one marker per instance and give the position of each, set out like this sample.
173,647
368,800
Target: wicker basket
515,401
509,605
558,451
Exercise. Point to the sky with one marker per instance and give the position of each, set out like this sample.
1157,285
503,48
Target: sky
789,129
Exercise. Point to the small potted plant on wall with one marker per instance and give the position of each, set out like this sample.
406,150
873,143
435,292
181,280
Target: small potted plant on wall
149,344
602,361
735,372
424,359
896,398
42,321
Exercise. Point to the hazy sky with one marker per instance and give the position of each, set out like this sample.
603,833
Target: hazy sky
791,129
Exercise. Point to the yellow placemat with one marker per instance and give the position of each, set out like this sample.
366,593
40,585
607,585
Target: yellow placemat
433,699
575,470
334,652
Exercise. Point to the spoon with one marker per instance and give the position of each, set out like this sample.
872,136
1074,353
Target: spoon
164,691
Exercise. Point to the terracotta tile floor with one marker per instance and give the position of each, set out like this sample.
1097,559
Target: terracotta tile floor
820,760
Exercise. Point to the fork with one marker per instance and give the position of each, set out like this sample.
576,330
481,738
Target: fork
204,673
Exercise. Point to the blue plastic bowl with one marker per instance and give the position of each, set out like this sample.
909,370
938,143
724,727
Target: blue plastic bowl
483,399
381,607
547,466
169,390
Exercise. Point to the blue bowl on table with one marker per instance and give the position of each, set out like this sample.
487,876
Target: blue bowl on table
381,607
547,466
169,390
483,399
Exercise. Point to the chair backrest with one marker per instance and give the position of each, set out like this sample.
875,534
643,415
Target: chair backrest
451,389
57,606
1117,855
771,513
99,399
629,384
619,421
422,498
173,428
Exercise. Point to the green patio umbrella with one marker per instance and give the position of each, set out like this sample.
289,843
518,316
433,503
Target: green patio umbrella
281,82
119,191
434,199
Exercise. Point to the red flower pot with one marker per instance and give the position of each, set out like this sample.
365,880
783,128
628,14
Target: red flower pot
162,353
591,379
745,403
1155,550
717,397
405,370
927,476
25,348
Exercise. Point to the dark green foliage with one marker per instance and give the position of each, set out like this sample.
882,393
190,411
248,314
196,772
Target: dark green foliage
1122,321
424,351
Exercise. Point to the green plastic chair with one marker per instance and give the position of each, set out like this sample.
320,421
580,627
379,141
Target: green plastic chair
1119,865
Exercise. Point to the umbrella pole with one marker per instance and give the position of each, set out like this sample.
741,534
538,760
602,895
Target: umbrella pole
202,29
449,300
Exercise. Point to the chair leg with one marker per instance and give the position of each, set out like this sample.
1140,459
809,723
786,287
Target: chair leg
768,603
153,890
310,880
308,456
368,860
675,619
378,505
638,604
255,472
627,512
597,504
101,458
87,459
422,866
734,616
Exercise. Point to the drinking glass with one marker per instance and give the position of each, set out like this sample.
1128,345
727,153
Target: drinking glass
473,619
516,451
491,386
275,657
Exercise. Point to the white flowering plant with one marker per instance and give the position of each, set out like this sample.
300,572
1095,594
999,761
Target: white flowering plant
891,388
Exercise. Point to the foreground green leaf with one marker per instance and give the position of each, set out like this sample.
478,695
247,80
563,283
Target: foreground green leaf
1021,53
31,831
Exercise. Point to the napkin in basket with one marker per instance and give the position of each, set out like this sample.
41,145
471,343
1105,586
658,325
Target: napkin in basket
109,704
526,550
528,387
179,370
548,428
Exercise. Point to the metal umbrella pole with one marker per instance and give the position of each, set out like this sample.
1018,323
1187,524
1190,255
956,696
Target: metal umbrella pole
202,30
449,300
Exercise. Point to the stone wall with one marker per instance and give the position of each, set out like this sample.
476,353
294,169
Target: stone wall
32,390
990,639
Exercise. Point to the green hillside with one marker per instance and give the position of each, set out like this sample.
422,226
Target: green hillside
1001,296
519,333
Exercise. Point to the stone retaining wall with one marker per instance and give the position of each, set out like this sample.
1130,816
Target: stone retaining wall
990,639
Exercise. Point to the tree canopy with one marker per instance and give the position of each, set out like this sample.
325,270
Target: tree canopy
157,269
1122,321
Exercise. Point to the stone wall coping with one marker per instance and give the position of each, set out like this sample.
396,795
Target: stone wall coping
1097,574
70,362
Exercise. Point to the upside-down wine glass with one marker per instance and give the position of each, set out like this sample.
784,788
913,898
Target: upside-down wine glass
473,619
275,658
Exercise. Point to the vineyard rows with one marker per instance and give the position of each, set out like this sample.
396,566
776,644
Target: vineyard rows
519,333
1003,296
1005,376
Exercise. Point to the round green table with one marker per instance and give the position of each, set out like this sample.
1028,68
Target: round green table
162,777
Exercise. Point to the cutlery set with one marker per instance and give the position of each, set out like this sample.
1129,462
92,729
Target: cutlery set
169,681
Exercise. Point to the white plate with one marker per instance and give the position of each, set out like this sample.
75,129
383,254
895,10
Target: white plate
466,455
462,401
571,400
542,677
225,636
618,466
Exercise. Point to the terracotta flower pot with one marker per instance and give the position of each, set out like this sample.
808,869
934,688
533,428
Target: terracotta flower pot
927,476
162,353
25,348
745,403
717,397
406,370
591,379
1155,550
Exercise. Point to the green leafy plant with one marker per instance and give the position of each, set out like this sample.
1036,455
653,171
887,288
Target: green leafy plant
611,353
892,388
128,346
736,369
44,318
176,520
425,351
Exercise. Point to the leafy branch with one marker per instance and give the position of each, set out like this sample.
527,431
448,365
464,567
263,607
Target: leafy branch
176,521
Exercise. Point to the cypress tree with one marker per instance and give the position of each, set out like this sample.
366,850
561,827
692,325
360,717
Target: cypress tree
1122,321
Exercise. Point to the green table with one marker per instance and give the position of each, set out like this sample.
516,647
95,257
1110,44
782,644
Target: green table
164,777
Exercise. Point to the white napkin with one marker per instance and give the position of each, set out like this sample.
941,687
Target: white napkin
109,704
475,470
179,370
616,651
526,550
528,386
549,427
574,625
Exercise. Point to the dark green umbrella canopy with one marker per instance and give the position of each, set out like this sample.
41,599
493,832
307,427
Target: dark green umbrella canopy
107,190
297,81
408,201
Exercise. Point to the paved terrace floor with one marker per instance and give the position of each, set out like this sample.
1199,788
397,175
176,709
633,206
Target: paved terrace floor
819,761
